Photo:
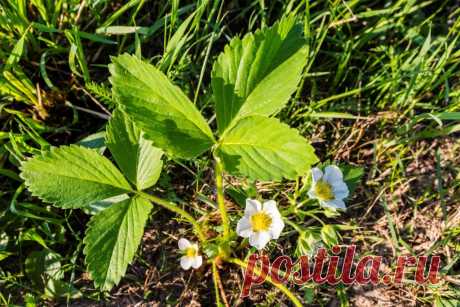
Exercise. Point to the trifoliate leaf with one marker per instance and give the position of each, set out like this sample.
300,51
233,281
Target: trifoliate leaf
258,74
159,108
263,148
139,160
112,239
72,177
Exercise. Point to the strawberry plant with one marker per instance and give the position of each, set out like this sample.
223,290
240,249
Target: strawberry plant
252,80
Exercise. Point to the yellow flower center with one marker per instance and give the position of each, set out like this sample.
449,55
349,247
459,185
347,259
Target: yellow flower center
323,190
191,251
261,221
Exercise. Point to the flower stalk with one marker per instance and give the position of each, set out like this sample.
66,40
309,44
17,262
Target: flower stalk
220,197
215,278
219,290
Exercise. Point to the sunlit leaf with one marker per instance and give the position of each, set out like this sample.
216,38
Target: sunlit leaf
159,108
112,239
263,148
259,73
72,177
139,160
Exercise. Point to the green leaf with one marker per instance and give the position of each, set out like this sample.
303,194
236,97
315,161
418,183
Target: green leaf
308,242
31,234
43,265
159,108
98,206
446,301
263,148
4,255
30,300
176,43
112,239
56,289
72,177
139,160
352,176
94,141
17,52
258,74
329,235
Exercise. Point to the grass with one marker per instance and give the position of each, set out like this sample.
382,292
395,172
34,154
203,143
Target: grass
381,91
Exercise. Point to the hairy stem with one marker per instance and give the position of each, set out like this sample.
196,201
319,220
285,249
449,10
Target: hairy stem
218,286
220,197
282,287
215,278
176,209
293,225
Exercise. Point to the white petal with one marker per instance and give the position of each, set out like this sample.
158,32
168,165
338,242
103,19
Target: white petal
341,195
276,227
183,243
316,174
340,190
311,192
336,204
197,261
259,239
243,228
186,262
252,206
333,174
270,207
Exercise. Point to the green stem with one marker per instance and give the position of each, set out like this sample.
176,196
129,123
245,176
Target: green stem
293,225
176,209
215,277
220,197
282,287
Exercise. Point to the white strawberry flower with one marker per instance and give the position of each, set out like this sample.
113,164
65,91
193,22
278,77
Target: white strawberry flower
191,257
328,187
260,223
